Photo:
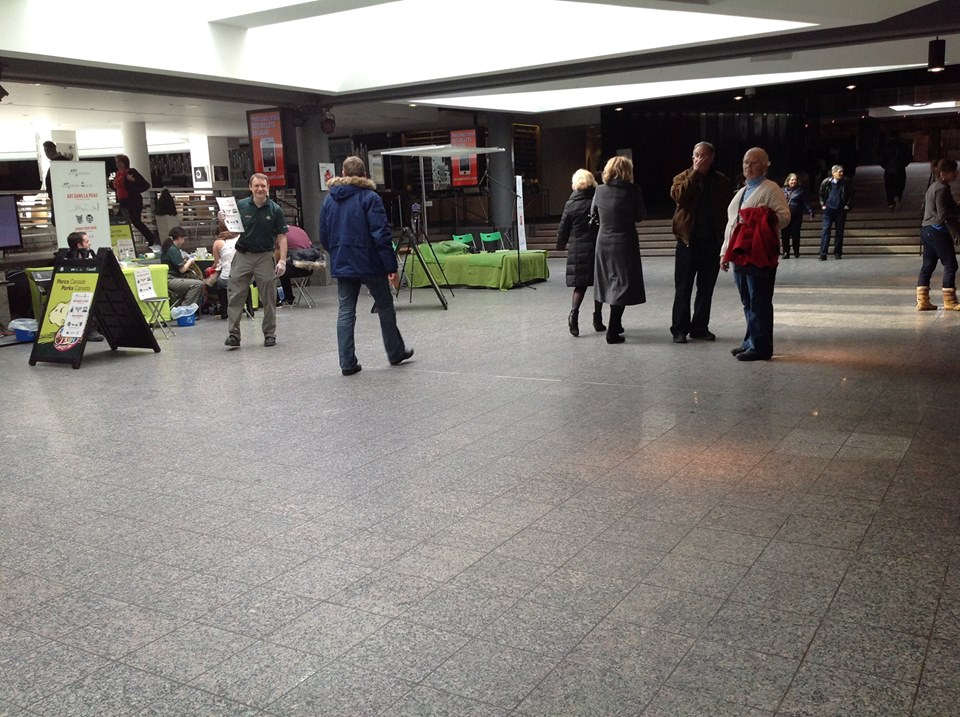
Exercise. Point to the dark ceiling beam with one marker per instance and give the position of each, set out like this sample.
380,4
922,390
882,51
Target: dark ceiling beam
101,78
941,17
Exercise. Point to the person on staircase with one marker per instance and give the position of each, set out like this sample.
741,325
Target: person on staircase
836,195
575,224
940,229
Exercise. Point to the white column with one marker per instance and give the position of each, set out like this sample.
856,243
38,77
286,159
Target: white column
135,146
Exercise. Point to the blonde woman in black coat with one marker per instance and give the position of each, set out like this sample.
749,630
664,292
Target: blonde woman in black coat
575,225
618,204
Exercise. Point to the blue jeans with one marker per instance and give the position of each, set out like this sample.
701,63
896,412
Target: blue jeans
756,295
347,291
937,246
836,218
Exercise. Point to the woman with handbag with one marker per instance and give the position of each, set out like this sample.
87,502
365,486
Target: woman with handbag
618,203
130,185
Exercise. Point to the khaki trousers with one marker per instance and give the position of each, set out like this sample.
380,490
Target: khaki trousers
247,267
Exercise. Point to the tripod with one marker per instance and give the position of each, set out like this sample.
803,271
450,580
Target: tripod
411,238
515,242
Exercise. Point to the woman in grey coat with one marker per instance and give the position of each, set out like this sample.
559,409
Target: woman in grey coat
575,224
618,206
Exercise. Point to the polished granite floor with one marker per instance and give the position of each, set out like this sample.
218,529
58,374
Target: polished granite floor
516,522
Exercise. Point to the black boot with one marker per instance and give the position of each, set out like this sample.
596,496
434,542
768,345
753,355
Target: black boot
572,322
598,317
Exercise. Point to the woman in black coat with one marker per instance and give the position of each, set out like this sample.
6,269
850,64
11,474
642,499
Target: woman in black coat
618,203
575,224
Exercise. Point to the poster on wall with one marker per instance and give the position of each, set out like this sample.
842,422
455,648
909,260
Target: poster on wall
266,142
375,167
80,201
465,169
440,173
327,172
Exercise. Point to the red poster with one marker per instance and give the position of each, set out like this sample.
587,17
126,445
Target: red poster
464,169
266,140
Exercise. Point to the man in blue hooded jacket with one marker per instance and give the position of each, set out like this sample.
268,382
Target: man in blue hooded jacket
354,231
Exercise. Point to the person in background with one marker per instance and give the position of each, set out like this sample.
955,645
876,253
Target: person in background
797,201
354,231
618,273
895,158
224,247
940,229
755,255
50,150
264,230
575,224
183,289
297,241
125,184
836,196
78,247
702,195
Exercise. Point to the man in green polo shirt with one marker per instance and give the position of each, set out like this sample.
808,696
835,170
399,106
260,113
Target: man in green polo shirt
264,228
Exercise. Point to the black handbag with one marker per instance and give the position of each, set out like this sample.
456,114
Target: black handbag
139,184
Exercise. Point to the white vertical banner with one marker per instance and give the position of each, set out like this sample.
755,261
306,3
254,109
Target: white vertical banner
80,201
521,225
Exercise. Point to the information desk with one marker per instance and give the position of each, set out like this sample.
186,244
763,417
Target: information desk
158,273
496,269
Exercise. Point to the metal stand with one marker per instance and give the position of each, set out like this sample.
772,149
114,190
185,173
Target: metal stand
514,240
412,238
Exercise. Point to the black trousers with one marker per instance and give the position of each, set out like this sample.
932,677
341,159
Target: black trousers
894,182
696,265
132,206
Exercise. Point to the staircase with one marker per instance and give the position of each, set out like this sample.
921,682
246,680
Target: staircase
871,228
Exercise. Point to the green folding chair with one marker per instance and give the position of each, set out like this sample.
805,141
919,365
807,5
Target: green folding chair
492,238
464,239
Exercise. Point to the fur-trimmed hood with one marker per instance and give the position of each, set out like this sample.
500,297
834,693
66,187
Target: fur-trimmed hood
361,182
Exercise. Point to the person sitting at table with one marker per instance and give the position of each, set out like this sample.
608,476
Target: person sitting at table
185,290
78,247
224,249
299,248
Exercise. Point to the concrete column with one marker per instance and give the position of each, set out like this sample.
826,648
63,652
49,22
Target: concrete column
135,146
500,169
313,147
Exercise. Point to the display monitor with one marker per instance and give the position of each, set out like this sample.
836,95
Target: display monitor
10,236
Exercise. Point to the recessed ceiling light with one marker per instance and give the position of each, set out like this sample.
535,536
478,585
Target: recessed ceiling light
738,97
618,109
851,87
412,104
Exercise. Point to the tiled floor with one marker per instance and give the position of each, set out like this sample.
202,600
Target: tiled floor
516,522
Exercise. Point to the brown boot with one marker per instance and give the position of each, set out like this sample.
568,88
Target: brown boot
923,299
950,300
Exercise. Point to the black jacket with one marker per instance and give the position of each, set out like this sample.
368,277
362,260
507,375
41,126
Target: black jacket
575,225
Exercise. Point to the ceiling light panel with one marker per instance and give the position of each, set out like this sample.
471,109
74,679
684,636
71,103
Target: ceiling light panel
443,50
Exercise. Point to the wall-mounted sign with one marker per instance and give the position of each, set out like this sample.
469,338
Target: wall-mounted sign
464,169
266,141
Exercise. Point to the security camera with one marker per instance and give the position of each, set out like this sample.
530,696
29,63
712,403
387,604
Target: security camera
3,93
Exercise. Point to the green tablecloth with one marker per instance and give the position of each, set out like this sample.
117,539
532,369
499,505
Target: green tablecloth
496,269
158,273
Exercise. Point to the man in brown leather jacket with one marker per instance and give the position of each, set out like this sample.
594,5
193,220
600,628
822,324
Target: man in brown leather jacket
702,195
